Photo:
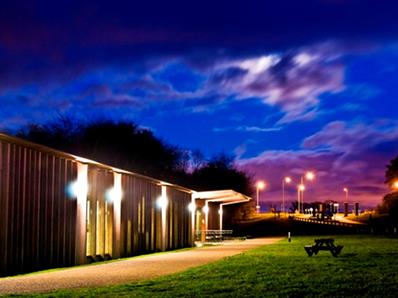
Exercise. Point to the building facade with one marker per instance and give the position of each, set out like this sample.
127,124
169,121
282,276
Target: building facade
57,209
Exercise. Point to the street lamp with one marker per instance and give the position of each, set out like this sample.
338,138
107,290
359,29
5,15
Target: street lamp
346,205
259,186
300,188
310,176
285,180
345,189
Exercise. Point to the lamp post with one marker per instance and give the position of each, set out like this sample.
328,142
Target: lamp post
308,176
346,205
300,189
259,186
285,180
345,189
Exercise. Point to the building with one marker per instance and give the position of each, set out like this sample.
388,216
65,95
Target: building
57,209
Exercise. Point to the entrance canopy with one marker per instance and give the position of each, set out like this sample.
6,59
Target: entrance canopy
209,214
225,197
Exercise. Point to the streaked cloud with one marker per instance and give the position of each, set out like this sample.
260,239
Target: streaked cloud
343,154
247,129
283,96
292,81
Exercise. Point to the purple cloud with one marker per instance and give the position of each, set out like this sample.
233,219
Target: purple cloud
341,154
39,41
293,82
339,136
118,102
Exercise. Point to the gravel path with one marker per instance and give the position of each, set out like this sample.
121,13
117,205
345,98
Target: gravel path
125,271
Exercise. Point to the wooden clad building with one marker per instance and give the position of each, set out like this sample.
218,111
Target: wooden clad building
57,209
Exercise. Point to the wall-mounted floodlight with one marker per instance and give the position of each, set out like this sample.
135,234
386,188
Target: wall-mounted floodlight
162,202
78,188
114,194
191,207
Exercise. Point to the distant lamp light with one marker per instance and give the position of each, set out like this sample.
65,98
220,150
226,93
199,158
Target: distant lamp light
288,179
395,184
205,209
162,202
310,176
191,207
345,189
301,187
260,185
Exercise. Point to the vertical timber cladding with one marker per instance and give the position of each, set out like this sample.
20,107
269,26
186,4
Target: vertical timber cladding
178,227
37,218
99,216
140,217
55,210
213,216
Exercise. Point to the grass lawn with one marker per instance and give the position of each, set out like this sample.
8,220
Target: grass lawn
367,267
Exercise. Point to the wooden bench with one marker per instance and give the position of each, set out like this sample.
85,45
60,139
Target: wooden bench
216,235
323,244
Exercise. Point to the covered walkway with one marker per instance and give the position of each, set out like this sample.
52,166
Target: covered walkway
209,212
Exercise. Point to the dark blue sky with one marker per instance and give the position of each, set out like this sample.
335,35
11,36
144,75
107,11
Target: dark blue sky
283,86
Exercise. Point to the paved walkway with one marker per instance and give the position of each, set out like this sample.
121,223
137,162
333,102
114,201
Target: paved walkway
126,271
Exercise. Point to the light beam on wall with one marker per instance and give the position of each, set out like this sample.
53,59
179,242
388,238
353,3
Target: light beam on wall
162,203
80,189
116,195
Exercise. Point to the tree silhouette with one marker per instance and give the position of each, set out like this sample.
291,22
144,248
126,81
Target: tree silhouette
392,171
120,144
389,204
127,146
221,173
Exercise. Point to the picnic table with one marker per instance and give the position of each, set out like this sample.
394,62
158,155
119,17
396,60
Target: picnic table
323,244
